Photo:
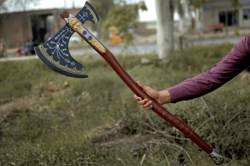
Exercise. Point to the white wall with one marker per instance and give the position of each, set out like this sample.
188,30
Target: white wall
244,23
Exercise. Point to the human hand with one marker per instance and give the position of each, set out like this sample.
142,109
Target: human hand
161,97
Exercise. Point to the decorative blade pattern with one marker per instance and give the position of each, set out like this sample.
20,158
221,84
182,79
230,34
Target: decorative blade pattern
57,47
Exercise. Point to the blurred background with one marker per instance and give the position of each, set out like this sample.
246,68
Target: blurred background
50,119
192,22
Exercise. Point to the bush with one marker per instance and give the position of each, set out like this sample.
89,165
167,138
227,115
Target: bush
58,130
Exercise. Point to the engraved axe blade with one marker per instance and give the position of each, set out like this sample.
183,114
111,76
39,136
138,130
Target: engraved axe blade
55,52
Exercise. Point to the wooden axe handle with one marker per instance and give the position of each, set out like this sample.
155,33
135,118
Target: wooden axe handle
112,61
77,26
161,111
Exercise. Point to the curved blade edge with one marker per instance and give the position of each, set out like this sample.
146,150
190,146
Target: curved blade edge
56,69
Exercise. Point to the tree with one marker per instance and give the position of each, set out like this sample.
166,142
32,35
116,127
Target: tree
193,5
236,4
21,4
124,17
102,7
181,9
165,27
181,6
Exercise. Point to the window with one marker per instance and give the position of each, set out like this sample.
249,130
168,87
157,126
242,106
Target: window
246,14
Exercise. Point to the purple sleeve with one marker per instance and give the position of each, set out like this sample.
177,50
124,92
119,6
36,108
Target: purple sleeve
235,62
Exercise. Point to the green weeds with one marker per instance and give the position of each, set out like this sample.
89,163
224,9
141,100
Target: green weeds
58,129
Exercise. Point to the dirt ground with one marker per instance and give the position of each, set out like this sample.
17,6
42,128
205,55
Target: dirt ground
195,37
28,102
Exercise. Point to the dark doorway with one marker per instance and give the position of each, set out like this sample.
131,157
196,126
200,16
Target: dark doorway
229,18
222,17
39,28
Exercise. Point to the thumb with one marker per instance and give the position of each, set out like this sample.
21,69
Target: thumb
141,85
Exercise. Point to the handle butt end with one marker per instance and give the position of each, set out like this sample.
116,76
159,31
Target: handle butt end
65,14
217,158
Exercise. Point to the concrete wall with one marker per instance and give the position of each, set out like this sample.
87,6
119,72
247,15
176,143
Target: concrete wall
209,19
244,23
151,26
16,28
223,6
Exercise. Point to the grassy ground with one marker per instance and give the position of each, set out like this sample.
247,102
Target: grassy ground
57,128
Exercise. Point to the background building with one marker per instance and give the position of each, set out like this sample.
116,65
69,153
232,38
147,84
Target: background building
224,12
221,11
38,25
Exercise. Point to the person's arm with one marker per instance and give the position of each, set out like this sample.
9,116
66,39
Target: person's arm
235,62
26,45
161,97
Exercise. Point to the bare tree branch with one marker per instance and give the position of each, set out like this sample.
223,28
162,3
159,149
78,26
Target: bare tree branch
6,5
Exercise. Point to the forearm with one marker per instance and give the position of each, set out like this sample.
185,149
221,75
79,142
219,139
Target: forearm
235,62
164,97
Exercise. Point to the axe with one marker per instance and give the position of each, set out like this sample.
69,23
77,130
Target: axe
55,54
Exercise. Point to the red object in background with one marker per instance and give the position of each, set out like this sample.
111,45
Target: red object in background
20,52
217,27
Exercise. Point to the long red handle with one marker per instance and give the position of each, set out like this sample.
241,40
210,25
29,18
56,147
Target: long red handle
77,26
112,61
173,120
161,111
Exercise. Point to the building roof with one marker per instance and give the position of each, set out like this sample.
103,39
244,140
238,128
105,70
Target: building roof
38,10
223,4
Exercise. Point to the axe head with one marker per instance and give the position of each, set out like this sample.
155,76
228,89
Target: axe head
55,53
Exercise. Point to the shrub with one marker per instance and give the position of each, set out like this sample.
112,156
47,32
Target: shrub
58,130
